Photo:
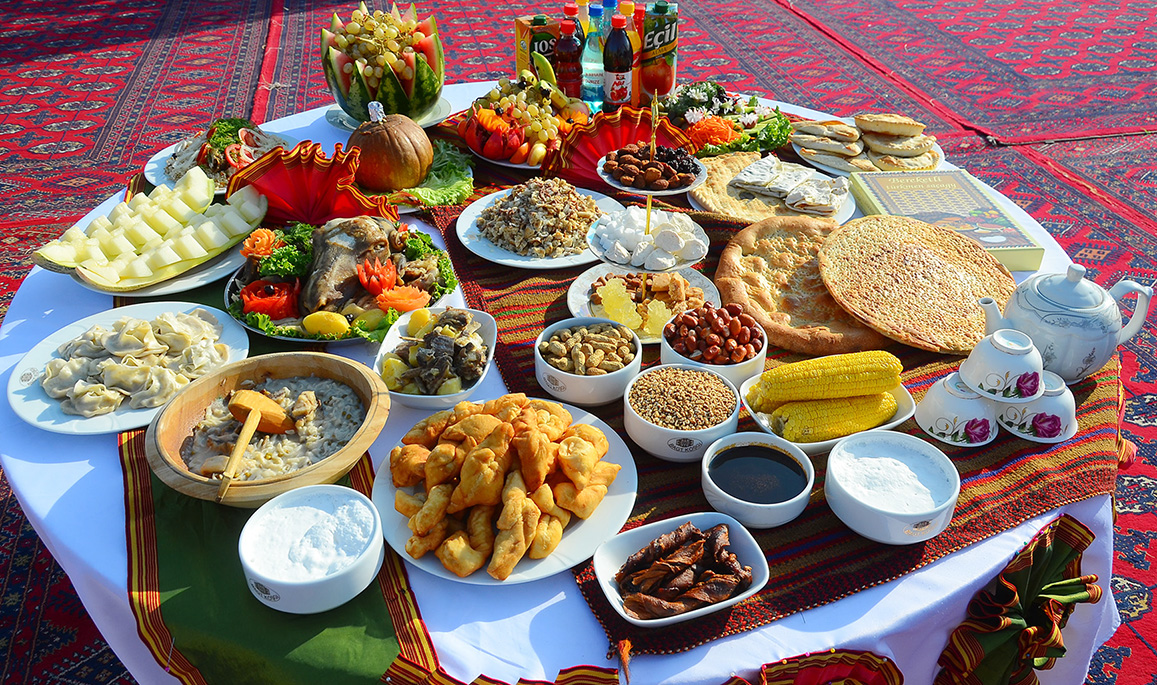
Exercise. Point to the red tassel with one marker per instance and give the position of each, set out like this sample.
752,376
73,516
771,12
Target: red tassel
624,650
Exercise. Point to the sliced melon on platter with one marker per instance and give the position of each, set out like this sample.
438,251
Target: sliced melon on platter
155,237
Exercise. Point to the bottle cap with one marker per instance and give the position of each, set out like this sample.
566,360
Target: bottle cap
539,20
627,8
596,10
570,10
567,27
610,5
660,7
640,8
618,22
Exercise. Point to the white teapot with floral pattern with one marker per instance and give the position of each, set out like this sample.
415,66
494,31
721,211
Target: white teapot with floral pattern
1075,323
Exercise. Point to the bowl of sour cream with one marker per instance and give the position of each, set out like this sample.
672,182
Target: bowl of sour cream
891,487
312,549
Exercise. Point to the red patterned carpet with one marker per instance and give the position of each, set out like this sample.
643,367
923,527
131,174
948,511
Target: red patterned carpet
98,88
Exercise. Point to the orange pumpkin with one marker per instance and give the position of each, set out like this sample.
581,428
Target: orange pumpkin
395,154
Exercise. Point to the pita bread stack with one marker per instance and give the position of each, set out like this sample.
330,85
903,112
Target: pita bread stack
877,142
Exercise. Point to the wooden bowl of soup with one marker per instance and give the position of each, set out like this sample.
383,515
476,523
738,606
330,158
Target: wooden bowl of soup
339,407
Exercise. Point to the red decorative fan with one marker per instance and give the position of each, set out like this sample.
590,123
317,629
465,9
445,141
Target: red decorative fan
834,666
586,144
305,185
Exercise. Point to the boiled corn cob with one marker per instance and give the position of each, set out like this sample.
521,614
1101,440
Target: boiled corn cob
818,420
838,375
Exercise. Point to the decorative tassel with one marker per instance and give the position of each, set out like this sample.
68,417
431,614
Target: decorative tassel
624,650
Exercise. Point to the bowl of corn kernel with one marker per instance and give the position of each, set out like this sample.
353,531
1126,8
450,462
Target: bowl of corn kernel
816,402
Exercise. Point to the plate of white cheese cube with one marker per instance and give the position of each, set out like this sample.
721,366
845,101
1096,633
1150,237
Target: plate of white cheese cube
672,241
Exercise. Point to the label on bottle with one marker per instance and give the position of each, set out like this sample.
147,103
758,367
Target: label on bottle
660,51
617,87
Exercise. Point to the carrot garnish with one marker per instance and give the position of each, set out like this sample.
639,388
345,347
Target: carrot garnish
712,130
261,243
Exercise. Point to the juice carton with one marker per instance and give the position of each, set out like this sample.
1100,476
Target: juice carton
660,43
533,33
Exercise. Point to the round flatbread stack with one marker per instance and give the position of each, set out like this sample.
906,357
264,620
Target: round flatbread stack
770,269
913,282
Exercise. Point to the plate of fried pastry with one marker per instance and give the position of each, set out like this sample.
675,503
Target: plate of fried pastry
505,491
866,142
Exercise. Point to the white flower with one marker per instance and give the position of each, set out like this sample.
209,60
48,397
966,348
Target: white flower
763,111
748,119
699,95
694,115
722,104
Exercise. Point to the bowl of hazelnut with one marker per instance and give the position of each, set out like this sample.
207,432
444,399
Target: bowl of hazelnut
670,171
725,339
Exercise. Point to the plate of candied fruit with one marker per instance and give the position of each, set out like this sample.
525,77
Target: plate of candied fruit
642,301
670,171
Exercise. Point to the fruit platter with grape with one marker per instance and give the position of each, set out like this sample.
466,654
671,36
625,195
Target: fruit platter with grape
520,119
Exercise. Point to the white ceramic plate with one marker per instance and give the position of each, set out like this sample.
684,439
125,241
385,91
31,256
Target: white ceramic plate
840,172
601,254
610,555
578,296
845,212
337,117
700,179
905,409
154,170
474,241
502,162
579,539
203,274
489,333
31,404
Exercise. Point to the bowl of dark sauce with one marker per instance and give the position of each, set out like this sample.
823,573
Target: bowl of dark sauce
759,479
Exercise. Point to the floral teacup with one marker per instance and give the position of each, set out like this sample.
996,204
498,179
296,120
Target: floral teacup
1005,366
952,413
1052,418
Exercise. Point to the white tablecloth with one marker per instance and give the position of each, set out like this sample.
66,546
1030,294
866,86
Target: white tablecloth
71,489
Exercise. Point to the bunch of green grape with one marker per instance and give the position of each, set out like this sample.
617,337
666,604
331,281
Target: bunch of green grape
381,39
528,106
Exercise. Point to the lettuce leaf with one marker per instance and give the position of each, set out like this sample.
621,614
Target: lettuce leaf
449,182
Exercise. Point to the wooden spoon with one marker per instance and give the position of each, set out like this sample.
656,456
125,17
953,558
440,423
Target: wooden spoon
259,413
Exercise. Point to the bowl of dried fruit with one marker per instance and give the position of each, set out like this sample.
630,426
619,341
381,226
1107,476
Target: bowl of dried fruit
586,360
675,411
724,339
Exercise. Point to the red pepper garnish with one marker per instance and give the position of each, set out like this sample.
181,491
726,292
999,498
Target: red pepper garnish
376,277
203,153
238,155
278,300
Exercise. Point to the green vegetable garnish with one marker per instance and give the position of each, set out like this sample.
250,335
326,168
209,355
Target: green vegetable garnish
224,131
449,181
293,258
770,136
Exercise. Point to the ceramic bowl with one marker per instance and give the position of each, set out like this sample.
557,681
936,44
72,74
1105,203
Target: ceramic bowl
862,486
751,513
312,549
1004,366
175,423
584,391
489,334
610,556
671,444
952,413
736,373
1052,418
905,407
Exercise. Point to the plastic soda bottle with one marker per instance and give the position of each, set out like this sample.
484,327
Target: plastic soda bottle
592,61
609,9
570,11
568,54
660,50
617,58
640,13
583,18
627,9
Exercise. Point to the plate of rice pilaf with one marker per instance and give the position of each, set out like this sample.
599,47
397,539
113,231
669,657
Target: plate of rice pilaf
540,224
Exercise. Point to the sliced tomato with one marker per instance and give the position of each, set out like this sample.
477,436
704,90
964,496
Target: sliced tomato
403,298
247,137
277,300
203,153
377,277
238,155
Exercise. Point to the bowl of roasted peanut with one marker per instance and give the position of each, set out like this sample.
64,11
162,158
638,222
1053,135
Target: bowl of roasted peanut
587,361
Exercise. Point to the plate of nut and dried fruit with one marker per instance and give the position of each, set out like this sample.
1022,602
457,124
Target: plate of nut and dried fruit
642,301
633,168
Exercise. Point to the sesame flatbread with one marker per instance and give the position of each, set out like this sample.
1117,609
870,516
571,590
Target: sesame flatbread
770,269
923,162
914,282
717,195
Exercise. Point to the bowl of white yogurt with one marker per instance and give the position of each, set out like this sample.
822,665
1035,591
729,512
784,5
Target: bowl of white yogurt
891,487
312,549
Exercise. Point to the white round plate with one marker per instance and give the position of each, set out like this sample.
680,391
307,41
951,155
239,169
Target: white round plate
578,296
337,117
203,274
474,241
154,170
31,404
905,409
580,539
700,179
842,215
502,162
601,254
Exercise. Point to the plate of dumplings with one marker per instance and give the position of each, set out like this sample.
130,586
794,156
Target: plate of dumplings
114,370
